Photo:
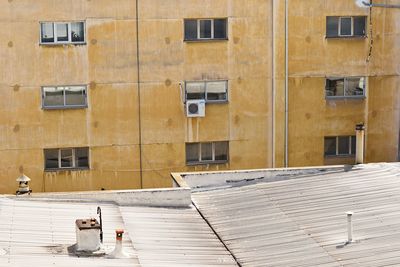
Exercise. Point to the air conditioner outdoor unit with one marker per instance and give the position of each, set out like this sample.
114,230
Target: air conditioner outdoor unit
196,108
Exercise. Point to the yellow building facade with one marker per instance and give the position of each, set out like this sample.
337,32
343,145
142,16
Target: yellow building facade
95,92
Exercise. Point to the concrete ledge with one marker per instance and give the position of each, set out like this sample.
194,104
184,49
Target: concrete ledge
229,178
178,181
168,197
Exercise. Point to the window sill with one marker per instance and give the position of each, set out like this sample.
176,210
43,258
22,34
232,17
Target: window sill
205,40
347,37
67,169
206,163
62,44
339,156
211,102
64,107
345,97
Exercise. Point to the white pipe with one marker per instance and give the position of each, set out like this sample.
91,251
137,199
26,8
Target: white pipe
118,252
349,226
380,5
286,83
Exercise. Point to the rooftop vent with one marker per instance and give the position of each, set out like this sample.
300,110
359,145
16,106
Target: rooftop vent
349,227
118,252
23,187
87,235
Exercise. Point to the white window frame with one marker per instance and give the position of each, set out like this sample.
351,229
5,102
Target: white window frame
350,154
205,90
65,106
345,84
73,159
198,37
54,23
340,26
212,161
198,29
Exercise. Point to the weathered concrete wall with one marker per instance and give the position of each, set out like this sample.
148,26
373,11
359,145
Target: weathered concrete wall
108,64
165,61
253,60
312,58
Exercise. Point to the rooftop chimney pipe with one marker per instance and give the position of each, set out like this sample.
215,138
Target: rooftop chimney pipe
360,131
118,252
349,227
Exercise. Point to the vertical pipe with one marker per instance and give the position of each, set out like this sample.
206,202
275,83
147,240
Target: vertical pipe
349,226
360,129
273,84
138,90
286,83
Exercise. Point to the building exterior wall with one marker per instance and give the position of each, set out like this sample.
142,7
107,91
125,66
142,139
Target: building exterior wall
125,150
135,124
312,58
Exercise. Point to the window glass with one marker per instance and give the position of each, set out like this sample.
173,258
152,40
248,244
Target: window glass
334,87
205,29
353,145
332,25
220,28
355,86
344,145
216,90
66,158
47,32
345,26
75,95
359,26
330,146
53,96
190,29
62,32
51,158
82,157
206,151
221,151
192,152
195,90
77,32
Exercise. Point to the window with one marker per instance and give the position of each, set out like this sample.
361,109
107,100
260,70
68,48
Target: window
345,26
208,152
59,97
340,145
66,158
210,91
345,87
205,29
62,32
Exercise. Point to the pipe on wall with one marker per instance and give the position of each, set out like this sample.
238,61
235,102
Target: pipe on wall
286,84
138,90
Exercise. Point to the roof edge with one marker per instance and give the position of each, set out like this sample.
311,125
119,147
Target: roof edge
220,178
163,197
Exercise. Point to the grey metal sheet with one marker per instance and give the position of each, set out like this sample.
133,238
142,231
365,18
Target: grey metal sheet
302,222
37,233
174,237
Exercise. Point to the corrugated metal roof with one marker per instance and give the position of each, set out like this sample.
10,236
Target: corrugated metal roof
37,233
302,222
174,237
